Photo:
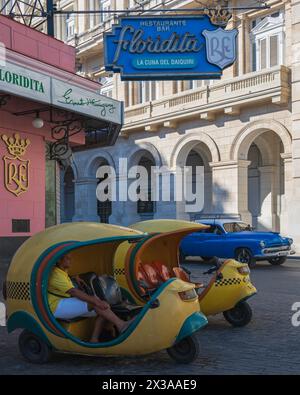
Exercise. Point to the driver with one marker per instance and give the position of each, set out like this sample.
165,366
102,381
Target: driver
67,302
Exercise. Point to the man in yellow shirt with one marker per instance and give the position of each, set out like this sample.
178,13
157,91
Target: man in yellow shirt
67,302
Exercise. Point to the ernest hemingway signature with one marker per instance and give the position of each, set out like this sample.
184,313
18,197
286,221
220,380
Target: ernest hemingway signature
104,107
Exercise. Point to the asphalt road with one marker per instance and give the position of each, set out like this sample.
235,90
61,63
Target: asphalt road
269,345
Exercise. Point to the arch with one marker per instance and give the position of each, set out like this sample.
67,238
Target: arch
95,162
139,151
250,132
189,142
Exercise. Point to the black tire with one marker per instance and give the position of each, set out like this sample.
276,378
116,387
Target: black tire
239,316
33,348
181,256
244,255
186,351
278,261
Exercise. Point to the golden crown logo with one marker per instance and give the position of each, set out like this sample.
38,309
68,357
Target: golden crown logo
15,145
219,16
16,169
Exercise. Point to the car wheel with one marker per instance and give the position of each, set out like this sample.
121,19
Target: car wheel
278,261
240,315
186,351
244,255
33,348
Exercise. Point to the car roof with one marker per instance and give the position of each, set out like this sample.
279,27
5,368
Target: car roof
217,221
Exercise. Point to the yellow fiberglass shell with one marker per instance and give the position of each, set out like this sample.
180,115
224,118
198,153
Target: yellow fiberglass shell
218,296
151,332
93,247
223,294
162,244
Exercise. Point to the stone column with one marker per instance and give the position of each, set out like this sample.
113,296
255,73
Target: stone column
230,188
294,204
268,220
166,209
86,200
285,200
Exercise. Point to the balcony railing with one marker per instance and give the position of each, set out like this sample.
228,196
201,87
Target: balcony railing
230,95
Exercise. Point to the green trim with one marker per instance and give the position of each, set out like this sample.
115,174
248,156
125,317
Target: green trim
73,246
132,262
45,280
23,320
192,324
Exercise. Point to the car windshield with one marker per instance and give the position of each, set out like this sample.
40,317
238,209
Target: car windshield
234,227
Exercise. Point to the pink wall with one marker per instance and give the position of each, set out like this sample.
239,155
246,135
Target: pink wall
30,204
36,45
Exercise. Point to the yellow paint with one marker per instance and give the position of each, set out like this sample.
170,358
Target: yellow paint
158,328
165,249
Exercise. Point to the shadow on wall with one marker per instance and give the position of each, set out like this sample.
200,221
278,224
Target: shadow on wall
215,205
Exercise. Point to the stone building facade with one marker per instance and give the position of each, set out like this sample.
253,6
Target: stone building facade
244,129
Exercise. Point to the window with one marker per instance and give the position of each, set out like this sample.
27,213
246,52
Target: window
105,6
146,91
194,84
267,40
70,25
107,86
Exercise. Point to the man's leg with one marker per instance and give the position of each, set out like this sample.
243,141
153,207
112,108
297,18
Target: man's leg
111,317
97,329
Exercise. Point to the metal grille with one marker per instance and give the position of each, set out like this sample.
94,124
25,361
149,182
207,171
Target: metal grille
18,291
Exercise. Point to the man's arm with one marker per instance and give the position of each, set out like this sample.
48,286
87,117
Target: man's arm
93,300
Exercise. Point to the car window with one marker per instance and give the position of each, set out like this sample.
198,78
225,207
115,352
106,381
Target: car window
235,227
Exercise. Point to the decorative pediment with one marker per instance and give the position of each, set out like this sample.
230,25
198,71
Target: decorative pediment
267,23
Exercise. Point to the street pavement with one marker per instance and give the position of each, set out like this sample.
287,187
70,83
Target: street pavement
270,344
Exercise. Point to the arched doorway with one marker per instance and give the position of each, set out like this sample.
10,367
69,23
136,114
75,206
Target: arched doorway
200,157
266,182
104,208
68,207
146,207
195,153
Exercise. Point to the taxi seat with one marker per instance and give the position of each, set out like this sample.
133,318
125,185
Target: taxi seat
162,270
148,278
107,289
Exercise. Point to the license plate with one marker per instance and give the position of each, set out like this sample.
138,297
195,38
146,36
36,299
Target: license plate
282,253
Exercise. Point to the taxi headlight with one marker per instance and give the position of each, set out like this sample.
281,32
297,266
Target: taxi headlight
188,295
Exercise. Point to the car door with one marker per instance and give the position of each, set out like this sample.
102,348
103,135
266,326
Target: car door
204,243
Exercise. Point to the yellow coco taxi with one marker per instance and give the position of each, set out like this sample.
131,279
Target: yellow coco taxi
92,248
156,258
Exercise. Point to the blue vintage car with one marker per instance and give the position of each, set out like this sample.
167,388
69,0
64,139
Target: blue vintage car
227,238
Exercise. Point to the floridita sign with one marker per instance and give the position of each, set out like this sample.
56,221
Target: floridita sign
169,47
40,87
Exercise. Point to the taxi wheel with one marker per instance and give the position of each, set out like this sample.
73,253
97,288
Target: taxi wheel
240,315
278,261
186,351
33,348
